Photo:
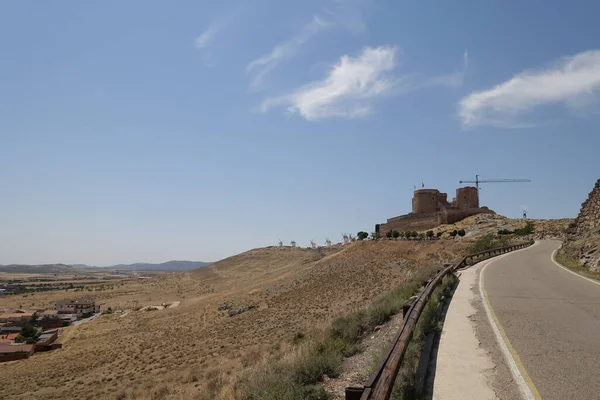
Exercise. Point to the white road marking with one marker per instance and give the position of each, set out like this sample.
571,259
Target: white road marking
524,389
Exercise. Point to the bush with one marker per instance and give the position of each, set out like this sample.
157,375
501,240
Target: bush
429,234
20,338
362,235
414,234
454,233
396,234
439,234
487,242
461,232
388,234
528,229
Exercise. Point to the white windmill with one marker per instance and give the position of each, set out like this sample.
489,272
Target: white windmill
346,238
313,244
352,238
293,243
327,242
280,243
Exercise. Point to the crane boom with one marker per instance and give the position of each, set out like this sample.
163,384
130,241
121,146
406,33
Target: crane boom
477,181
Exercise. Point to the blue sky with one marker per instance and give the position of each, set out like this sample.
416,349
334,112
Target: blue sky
149,131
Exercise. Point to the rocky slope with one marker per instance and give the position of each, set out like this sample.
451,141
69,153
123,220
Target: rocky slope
583,239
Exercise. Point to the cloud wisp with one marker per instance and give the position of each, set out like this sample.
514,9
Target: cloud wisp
344,14
452,80
571,81
349,89
285,50
206,37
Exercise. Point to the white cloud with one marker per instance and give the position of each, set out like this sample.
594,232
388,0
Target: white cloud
285,50
207,36
348,90
571,81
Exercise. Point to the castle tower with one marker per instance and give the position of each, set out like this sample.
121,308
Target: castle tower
428,200
467,197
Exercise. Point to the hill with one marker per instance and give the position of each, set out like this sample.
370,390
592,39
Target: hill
197,348
39,269
169,266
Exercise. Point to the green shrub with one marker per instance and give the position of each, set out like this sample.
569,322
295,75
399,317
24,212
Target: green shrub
487,242
396,234
461,232
362,235
439,234
388,234
429,234
454,233
528,229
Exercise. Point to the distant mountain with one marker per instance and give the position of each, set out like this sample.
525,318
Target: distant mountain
169,266
38,269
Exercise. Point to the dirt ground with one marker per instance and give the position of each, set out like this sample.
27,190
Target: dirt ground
195,350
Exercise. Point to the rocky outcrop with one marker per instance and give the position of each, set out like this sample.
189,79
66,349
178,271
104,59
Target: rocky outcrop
583,240
588,220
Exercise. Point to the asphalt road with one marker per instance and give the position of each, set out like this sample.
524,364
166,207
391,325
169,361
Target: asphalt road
552,319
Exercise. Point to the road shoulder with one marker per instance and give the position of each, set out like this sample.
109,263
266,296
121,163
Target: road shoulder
469,364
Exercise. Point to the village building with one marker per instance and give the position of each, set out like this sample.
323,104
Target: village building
82,307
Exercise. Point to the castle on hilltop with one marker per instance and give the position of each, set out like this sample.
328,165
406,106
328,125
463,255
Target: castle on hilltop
430,208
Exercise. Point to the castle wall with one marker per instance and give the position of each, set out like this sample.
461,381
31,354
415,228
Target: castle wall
411,222
431,209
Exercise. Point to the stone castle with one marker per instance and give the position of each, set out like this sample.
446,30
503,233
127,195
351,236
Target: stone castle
430,208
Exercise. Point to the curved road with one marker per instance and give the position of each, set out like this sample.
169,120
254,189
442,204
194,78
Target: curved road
551,318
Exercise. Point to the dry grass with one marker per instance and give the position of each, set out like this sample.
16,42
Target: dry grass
193,350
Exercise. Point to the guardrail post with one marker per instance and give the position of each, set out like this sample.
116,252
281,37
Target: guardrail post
354,392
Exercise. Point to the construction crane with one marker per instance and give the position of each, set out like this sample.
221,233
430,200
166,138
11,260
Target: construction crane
477,181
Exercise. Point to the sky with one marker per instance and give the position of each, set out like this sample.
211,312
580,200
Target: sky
147,131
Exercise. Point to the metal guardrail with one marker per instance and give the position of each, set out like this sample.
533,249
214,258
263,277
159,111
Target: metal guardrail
379,386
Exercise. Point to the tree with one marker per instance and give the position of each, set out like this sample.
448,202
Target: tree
461,232
414,234
454,233
29,333
388,234
429,234
439,234
362,235
396,234
34,318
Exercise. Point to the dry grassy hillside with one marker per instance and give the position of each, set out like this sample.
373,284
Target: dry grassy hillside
194,350
491,223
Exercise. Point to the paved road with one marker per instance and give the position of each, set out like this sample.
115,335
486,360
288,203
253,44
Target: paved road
552,319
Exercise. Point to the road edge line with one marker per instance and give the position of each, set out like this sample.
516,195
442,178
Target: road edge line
524,382
553,258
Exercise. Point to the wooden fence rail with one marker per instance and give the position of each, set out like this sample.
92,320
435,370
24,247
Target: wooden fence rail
379,386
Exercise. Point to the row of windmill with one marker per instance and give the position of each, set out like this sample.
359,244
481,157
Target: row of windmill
347,238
